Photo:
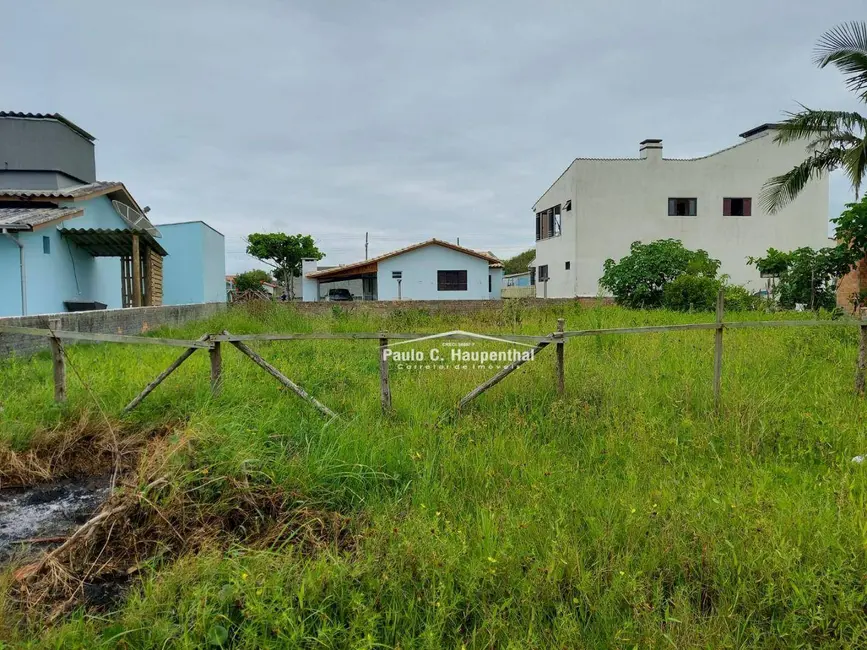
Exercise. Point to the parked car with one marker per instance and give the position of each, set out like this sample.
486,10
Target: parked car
339,294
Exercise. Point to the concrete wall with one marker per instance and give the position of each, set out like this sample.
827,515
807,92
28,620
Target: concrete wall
39,144
419,270
35,180
495,283
195,268
66,272
106,321
617,202
435,306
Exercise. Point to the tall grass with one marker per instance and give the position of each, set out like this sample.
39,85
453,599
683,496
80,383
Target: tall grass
626,514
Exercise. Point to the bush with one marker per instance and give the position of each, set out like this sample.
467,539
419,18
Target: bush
251,280
738,298
639,279
691,293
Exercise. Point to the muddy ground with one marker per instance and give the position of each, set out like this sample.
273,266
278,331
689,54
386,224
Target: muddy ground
47,510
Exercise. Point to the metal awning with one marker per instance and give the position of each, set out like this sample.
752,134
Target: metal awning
104,242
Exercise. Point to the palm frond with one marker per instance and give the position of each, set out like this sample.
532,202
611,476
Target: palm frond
834,139
854,163
845,46
781,190
810,123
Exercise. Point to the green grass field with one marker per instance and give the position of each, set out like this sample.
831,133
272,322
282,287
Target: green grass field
627,514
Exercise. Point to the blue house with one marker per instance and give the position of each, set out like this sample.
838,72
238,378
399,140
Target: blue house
69,242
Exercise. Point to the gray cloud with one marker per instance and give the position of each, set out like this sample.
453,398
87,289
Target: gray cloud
406,119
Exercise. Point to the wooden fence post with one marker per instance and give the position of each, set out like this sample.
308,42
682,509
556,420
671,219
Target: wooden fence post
718,350
384,388
862,354
58,362
561,361
216,367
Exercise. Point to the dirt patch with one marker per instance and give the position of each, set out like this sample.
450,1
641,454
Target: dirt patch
41,516
162,508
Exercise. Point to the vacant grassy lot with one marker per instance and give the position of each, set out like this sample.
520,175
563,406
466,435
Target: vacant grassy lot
626,514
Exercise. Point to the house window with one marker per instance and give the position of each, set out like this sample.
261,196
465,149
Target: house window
568,265
740,207
543,273
682,207
490,283
46,245
548,223
396,275
451,280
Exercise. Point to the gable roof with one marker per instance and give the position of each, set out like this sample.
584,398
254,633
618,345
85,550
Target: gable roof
57,117
336,270
79,192
26,218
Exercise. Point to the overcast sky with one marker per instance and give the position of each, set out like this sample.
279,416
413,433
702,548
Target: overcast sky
409,119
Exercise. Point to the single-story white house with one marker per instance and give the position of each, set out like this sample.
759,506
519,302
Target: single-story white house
430,270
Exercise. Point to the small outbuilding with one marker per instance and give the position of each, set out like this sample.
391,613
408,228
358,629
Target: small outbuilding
430,270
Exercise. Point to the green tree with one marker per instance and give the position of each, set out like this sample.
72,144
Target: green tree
518,263
639,279
837,139
284,253
807,276
251,280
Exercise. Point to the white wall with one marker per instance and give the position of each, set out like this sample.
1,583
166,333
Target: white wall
496,283
419,269
617,202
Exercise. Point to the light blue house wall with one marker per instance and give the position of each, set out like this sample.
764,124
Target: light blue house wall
517,280
66,272
195,269
419,275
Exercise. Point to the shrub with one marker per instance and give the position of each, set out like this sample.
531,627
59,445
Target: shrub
691,293
738,298
639,279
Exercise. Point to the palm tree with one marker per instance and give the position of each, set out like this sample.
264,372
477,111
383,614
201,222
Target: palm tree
838,139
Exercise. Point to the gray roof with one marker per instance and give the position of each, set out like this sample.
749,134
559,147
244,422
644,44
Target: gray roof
26,218
57,117
66,192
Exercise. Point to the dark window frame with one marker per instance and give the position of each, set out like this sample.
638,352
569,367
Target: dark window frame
46,245
543,273
549,222
396,275
682,206
452,280
738,206
568,265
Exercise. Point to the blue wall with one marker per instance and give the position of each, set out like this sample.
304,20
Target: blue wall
195,269
419,275
66,272
522,280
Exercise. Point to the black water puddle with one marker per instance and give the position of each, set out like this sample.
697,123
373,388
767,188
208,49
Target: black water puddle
47,510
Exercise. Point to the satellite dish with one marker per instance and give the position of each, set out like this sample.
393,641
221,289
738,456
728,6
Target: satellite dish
134,219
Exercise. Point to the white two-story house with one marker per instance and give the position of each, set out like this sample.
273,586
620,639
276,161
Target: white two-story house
599,206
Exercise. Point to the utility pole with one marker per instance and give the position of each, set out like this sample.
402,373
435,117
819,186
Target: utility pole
365,245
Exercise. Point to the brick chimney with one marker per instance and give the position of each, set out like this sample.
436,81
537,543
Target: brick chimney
650,149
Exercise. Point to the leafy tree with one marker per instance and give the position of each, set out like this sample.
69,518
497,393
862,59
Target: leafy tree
251,280
283,252
518,263
810,276
837,139
773,264
639,279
